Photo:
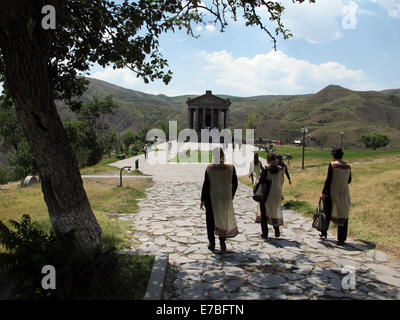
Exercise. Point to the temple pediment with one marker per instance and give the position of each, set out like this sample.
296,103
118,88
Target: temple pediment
207,112
209,100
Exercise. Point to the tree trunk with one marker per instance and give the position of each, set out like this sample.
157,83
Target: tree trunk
25,51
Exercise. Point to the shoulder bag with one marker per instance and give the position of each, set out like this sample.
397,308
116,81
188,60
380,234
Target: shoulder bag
319,220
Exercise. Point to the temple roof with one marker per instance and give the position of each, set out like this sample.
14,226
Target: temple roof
208,100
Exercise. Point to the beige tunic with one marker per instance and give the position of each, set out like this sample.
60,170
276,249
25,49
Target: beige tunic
273,203
220,176
256,171
340,194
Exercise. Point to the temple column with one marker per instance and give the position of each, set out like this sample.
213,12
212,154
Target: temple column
219,119
212,118
197,124
203,125
189,118
225,118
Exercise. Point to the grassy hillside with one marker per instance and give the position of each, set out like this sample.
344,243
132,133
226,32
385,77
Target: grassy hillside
325,113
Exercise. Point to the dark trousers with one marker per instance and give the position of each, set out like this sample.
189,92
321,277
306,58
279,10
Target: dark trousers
252,179
342,230
264,223
211,227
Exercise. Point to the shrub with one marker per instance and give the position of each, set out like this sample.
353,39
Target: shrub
375,140
3,176
106,275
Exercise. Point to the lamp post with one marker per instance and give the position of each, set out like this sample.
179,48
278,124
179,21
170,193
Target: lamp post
341,139
303,131
120,174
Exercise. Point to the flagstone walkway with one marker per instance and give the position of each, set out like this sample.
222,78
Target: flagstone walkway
295,266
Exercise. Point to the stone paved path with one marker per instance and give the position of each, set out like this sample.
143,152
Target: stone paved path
295,266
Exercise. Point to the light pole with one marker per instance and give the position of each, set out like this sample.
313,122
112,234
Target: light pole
303,131
341,139
120,174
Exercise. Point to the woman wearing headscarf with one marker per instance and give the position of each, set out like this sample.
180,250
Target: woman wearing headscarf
219,188
271,212
336,195
254,174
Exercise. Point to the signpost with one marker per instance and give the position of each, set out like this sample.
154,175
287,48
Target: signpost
120,174
303,131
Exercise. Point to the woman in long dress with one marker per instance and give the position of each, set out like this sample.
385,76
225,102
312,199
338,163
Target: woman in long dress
219,188
271,212
254,174
336,195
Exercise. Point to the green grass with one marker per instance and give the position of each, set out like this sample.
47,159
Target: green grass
300,206
105,275
320,157
195,156
117,277
101,167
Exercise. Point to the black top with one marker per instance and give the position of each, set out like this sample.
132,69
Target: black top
284,166
327,185
205,192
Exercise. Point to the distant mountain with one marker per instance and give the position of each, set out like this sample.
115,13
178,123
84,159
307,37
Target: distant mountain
325,114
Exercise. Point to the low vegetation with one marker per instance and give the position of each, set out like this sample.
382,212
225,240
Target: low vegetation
193,156
105,275
29,244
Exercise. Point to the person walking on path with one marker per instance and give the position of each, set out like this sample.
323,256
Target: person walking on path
271,212
254,174
336,195
279,158
145,150
219,188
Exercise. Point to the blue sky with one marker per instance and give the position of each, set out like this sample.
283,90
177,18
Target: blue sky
355,44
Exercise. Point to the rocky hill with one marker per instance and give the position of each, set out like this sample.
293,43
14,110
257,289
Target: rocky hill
326,113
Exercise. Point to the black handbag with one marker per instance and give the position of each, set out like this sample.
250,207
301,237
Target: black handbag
261,191
319,220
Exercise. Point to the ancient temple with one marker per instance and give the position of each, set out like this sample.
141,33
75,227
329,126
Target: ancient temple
208,112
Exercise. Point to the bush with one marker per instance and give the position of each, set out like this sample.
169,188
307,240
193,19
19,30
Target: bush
106,275
3,176
375,140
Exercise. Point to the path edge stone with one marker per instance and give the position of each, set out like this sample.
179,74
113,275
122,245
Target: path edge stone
155,286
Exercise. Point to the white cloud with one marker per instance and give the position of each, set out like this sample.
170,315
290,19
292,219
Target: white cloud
325,21
127,79
124,77
276,73
349,20
392,7
315,22
210,28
